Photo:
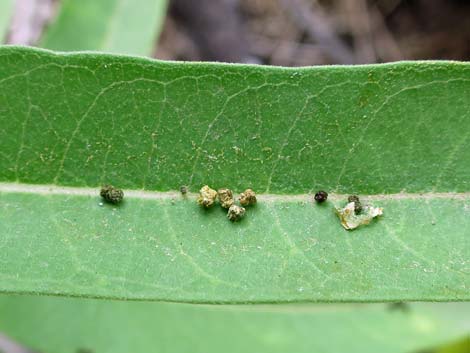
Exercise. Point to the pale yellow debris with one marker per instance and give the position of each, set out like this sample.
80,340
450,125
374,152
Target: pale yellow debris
349,219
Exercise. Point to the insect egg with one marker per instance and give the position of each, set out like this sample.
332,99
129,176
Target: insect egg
321,196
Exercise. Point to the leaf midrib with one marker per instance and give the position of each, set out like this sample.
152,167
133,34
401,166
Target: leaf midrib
49,189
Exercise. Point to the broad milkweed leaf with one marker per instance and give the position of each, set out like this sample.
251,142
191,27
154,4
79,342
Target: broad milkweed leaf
110,326
396,134
117,26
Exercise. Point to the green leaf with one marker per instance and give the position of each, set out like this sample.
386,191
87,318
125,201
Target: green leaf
114,327
73,122
117,26
6,10
462,346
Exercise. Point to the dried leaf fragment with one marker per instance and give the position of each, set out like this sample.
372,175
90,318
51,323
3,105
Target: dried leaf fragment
225,197
207,196
247,197
350,220
235,213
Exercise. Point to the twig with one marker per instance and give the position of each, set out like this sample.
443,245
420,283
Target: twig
360,26
29,19
300,53
385,43
315,24
215,26
7,345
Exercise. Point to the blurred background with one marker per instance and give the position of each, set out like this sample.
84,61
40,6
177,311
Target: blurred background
270,32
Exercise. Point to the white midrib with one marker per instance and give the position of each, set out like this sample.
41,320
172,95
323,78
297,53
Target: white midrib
143,194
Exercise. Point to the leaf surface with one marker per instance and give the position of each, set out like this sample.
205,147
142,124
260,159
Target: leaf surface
77,121
115,327
117,26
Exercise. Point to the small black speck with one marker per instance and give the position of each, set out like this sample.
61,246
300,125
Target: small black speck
111,194
321,196
357,203
183,190
399,306
84,350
